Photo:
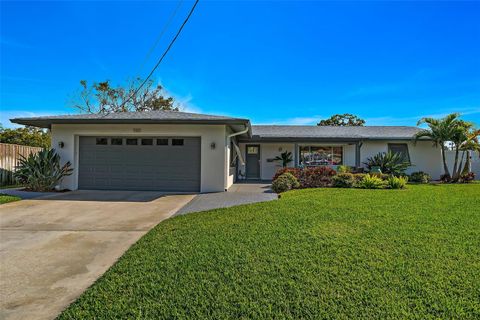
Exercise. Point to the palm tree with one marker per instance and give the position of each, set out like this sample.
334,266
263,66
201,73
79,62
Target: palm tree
440,131
285,158
460,137
471,144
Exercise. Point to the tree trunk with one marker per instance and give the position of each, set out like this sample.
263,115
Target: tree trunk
445,167
458,174
455,165
466,168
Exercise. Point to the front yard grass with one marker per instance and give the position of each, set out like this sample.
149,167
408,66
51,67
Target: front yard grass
5,198
318,253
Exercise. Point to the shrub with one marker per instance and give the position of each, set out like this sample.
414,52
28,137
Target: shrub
420,177
317,177
343,169
445,178
382,176
397,182
389,162
294,171
358,177
343,180
284,183
41,171
370,182
467,177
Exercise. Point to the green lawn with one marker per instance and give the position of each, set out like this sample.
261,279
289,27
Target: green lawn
5,198
324,253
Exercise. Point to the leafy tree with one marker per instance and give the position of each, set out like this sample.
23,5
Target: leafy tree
26,136
343,120
102,97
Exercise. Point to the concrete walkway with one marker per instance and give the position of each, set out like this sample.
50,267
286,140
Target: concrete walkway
239,193
52,248
18,192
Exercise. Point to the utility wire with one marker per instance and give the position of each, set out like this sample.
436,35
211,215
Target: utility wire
163,55
160,35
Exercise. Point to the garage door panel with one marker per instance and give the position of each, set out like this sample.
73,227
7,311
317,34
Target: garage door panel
137,167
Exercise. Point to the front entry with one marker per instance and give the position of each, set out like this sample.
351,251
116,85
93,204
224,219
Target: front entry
253,161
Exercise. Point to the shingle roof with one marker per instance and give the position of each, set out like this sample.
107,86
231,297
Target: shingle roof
130,117
265,132
260,132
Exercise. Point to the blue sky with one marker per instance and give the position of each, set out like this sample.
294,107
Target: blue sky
272,62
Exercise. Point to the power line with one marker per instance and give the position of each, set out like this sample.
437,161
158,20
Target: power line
160,35
163,55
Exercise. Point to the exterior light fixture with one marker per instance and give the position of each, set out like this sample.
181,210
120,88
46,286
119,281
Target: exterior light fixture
212,145
61,144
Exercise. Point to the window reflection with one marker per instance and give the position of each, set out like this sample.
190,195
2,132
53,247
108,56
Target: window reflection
321,155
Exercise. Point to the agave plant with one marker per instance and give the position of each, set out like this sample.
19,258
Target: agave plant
42,171
388,162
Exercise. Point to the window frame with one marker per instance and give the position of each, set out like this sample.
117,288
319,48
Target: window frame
256,147
161,144
342,154
115,144
407,153
127,139
174,140
97,139
146,139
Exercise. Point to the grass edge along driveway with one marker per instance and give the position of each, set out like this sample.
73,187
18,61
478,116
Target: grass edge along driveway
318,253
5,198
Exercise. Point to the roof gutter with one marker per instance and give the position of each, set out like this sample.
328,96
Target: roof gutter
247,128
47,123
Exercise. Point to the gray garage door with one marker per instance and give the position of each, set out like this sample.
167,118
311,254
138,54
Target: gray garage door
143,163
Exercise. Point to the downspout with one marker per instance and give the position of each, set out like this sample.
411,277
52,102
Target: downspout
238,133
247,128
237,150
358,146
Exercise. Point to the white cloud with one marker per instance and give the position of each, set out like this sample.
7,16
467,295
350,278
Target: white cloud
185,104
293,121
5,117
412,120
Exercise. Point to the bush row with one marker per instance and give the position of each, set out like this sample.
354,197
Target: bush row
367,181
320,177
314,177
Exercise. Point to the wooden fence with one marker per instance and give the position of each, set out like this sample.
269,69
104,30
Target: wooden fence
9,158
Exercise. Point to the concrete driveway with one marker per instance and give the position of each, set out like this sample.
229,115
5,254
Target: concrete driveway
53,248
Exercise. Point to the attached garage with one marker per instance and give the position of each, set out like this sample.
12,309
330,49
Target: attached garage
159,150
140,163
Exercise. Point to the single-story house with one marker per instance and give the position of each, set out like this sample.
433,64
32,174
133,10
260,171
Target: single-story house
189,152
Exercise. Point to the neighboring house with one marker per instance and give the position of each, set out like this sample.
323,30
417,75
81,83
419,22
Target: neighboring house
178,151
